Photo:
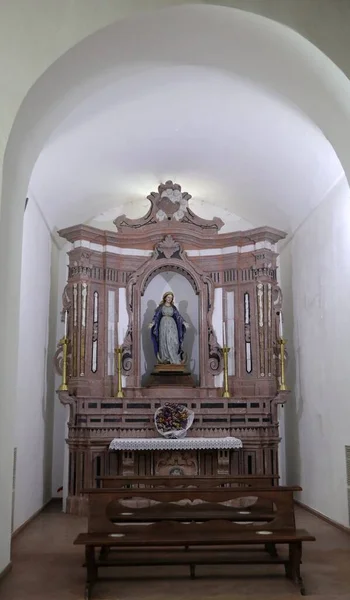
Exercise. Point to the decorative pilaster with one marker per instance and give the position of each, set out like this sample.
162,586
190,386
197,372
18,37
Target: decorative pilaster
84,288
269,330
223,462
128,457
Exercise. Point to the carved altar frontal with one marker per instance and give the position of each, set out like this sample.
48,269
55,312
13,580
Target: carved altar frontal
231,280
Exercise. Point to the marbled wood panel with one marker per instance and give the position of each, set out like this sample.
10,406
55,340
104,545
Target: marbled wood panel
102,260
142,427
131,263
192,238
104,386
125,263
231,269
243,260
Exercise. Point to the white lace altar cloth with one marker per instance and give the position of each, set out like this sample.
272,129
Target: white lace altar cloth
200,443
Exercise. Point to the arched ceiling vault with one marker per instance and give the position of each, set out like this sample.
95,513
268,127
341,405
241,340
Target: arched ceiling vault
221,101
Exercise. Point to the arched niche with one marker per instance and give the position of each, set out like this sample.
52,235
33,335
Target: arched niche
187,302
177,263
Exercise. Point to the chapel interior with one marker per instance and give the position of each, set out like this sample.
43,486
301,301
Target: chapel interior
174,227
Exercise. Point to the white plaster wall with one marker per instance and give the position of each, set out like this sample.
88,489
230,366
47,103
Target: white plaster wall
61,413
284,278
53,27
33,415
318,415
186,302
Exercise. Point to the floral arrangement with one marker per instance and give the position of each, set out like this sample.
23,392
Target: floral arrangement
173,420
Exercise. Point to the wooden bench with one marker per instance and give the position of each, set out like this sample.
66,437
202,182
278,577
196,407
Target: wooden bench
116,482
176,482
172,482
181,527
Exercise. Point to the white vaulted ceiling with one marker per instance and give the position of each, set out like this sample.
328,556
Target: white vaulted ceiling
235,147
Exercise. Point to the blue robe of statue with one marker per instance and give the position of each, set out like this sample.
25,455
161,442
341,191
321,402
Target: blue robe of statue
167,332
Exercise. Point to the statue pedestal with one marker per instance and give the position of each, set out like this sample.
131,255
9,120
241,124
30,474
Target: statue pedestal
170,375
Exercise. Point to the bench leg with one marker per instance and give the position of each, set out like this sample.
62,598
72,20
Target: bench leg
104,552
270,547
91,570
293,566
193,571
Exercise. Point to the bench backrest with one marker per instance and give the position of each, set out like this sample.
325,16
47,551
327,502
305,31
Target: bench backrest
105,504
172,482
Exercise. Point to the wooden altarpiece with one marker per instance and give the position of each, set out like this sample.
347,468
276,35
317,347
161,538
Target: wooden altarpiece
108,275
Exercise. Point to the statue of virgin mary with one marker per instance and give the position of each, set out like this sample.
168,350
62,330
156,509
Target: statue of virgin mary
167,331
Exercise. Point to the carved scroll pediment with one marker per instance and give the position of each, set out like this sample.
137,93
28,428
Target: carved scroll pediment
169,204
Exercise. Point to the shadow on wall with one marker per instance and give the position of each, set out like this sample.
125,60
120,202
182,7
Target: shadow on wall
189,340
294,411
146,341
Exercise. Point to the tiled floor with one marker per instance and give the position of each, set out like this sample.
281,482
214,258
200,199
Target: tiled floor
46,566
